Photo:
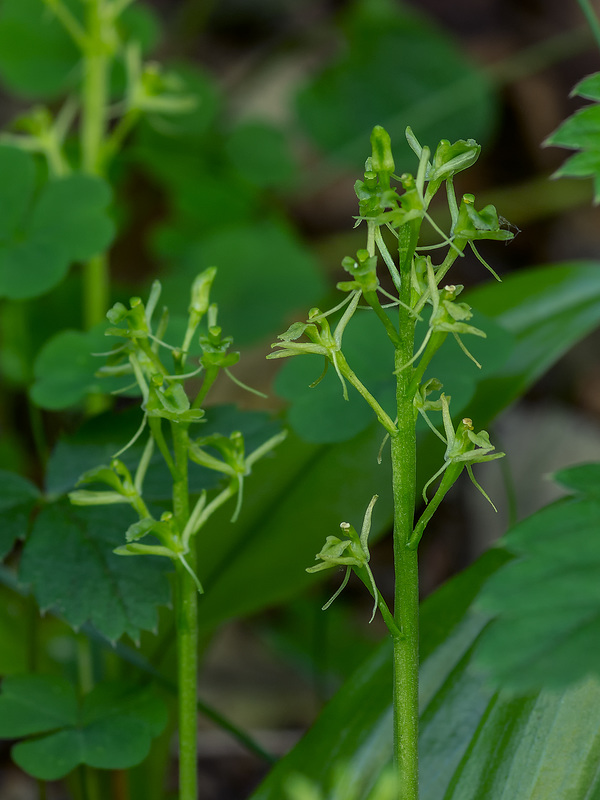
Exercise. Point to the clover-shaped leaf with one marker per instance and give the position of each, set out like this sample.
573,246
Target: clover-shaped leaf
43,233
65,369
111,728
37,56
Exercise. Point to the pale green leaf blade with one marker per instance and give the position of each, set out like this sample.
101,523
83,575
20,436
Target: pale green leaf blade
547,309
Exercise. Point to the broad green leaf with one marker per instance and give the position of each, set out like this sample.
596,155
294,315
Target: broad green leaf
34,703
475,743
18,497
38,59
547,600
69,561
395,68
260,153
65,368
111,729
547,309
42,235
263,273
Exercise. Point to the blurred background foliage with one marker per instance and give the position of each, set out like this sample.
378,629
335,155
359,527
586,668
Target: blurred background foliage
258,180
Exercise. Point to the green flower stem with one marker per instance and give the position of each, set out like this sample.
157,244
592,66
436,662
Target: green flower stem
406,608
441,271
155,424
187,628
373,301
448,479
96,66
209,379
350,376
433,345
385,612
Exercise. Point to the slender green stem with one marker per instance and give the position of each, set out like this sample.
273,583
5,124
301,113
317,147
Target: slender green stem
350,375
406,610
448,480
209,379
373,301
85,672
96,65
187,628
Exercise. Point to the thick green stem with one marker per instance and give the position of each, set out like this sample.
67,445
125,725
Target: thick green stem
187,629
96,65
406,610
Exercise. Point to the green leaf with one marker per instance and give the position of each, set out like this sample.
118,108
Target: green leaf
264,272
38,59
395,66
65,368
547,601
475,743
112,729
581,132
41,236
582,479
547,309
34,703
18,496
260,153
69,562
